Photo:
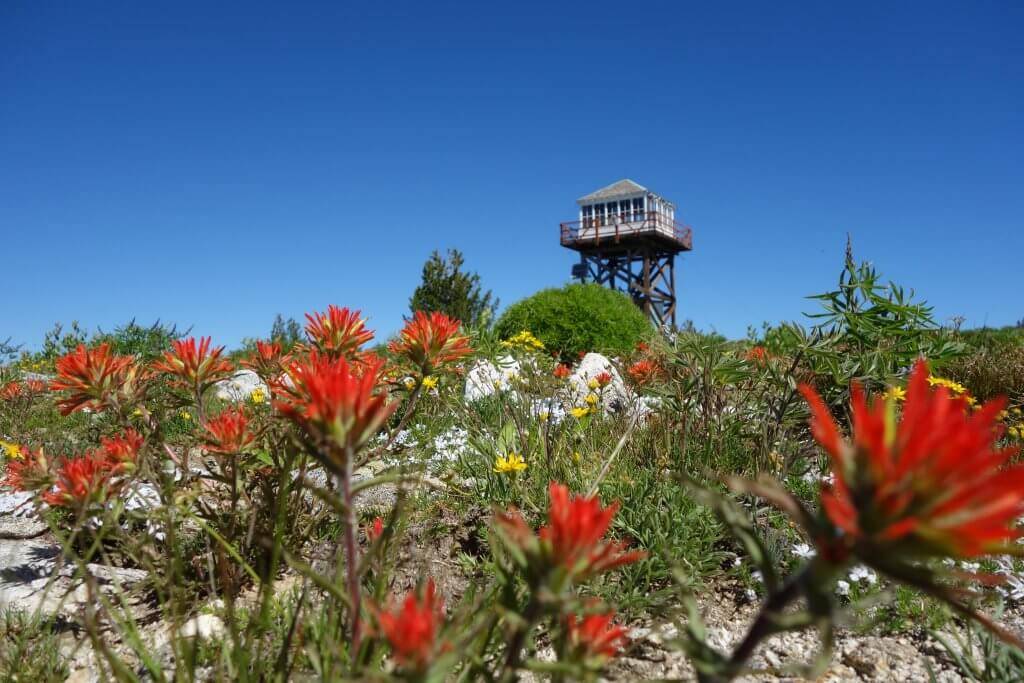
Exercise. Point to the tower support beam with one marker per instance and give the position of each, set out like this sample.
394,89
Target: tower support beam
646,273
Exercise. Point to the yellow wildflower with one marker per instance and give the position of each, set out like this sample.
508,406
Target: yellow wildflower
593,385
410,383
895,394
955,388
429,382
257,396
524,339
591,399
576,456
11,450
580,413
543,416
511,463
185,415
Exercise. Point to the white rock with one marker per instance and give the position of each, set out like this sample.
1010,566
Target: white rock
204,626
614,395
17,503
240,386
31,578
485,378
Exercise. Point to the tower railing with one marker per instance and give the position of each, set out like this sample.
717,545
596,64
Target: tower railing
595,231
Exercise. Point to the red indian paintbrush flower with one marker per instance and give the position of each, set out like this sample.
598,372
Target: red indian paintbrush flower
644,372
595,637
375,530
27,389
431,341
574,531
931,484
195,366
562,371
339,404
30,472
412,628
573,538
337,333
10,391
122,451
757,354
267,361
81,480
228,433
97,379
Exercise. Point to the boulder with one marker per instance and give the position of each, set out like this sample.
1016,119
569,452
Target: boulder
34,579
486,378
18,516
241,386
614,395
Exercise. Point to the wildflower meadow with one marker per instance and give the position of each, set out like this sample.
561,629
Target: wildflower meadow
835,499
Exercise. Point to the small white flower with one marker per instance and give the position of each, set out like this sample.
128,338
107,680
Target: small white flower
862,573
803,551
842,587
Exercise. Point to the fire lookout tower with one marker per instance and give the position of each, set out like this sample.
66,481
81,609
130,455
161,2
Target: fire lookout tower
628,238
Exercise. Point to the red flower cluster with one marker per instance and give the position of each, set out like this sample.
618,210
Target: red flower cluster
644,372
30,472
573,538
195,366
375,530
604,379
430,341
757,354
412,629
931,484
26,389
338,403
97,379
267,361
122,451
562,371
595,637
81,480
228,433
337,333
78,480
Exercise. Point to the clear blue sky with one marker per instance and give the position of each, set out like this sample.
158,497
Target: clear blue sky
213,166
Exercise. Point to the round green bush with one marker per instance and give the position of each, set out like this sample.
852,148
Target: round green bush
578,318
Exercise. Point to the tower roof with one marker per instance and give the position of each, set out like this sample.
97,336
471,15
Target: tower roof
622,188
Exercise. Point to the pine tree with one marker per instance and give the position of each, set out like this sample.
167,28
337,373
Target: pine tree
287,333
452,291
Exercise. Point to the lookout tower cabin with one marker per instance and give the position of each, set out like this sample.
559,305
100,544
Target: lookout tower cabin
627,238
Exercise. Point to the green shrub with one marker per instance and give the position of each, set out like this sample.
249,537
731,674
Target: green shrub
578,318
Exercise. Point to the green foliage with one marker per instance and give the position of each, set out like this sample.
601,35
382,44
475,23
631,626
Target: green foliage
578,318
867,332
993,365
29,650
58,341
287,333
145,343
447,288
981,656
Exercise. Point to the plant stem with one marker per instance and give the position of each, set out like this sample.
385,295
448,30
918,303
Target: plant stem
351,548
